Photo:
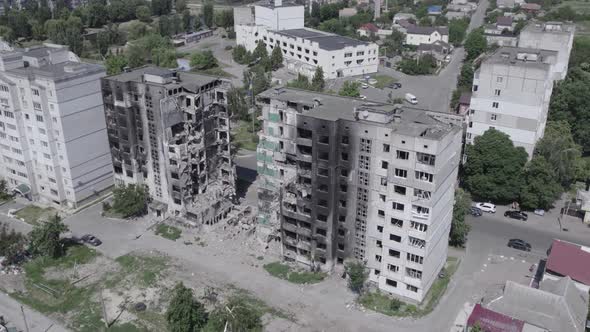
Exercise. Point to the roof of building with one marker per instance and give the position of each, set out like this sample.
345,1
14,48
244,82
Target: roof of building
569,259
326,41
557,306
549,27
271,4
530,6
492,321
438,46
434,9
504,21
405,23
418,30
522,56
369,27
189,81
412,121
59,71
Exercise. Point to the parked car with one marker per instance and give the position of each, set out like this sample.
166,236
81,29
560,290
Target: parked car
395,85
519,244
540,212
410,98
519,215
486,207
91,239
476,212
364,85
363,97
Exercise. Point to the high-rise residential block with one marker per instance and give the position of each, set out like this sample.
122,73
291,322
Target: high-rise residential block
52,129
341,178
170,131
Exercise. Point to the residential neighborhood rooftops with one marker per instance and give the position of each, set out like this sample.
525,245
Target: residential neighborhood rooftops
522,56
434,9
557,306
492,321
418,30
569,259
326,41
504,21
369,27
530,6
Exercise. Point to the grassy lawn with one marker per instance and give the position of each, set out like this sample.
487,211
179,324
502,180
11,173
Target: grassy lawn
583,28
383,81
285,272
61,297
385,304
580,7
168,232
243,137
34,215
215,71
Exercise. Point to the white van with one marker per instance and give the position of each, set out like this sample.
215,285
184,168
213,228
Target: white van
410,98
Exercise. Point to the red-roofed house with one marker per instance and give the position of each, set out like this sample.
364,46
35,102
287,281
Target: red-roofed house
491,321
367,29
530,7
571,260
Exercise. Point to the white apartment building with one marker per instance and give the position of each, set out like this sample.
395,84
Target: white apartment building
52,128
350,178
278,25
416,35
553,36
511,93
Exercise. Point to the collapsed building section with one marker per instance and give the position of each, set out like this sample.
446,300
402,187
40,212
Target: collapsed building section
170,131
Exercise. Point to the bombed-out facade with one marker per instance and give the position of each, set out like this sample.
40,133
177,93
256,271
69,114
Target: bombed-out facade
170,131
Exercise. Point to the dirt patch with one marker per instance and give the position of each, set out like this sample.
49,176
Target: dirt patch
84,274
10,282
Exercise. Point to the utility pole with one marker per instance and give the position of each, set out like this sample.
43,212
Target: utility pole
22,309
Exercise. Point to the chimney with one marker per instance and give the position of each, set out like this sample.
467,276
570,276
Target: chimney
278,3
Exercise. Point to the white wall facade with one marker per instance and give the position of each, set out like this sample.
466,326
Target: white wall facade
57,134
417,39
280,18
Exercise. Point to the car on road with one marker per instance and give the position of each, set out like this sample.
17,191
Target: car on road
486,207
364,85
395,85
410,98
519,244
519,215
91,239
363,97
476,212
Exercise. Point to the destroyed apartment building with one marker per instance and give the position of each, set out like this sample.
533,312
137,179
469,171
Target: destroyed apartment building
170,131
345,178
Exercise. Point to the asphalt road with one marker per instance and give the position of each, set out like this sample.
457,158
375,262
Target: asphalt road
36,322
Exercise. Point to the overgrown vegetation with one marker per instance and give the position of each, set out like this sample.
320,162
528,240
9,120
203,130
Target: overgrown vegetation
286,272
45,239
422,65
357,275
459,228
350,89
168,232
129,200
12,245
34,215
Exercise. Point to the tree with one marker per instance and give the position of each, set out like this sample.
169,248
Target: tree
12,245
103,41
494,167
334,26
130,200
115,64
329,11
260,81
187,21
242,56
357,275
7,33
540,188
95,14
203,60
425,21
568,103
164,57
235,315
144,14
475,44
208,14
180,6
185,314
459,228
301,82
466,76
559,150
394,43
236,104
45,238
4,194
135,56
276,58
457,30
349,89
74,34
224,18
317,82
136,30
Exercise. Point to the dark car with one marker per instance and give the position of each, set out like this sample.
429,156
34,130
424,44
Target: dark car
395,85
476,212
91,239
519,244
516,215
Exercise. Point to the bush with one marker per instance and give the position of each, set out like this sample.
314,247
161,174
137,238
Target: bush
106,206
395,304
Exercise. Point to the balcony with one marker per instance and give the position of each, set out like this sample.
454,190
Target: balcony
420,213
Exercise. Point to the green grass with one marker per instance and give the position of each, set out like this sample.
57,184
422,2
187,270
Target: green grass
244,137
580,7
383,81
215,71
381,302
285,272
32,214
168,232
146,269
